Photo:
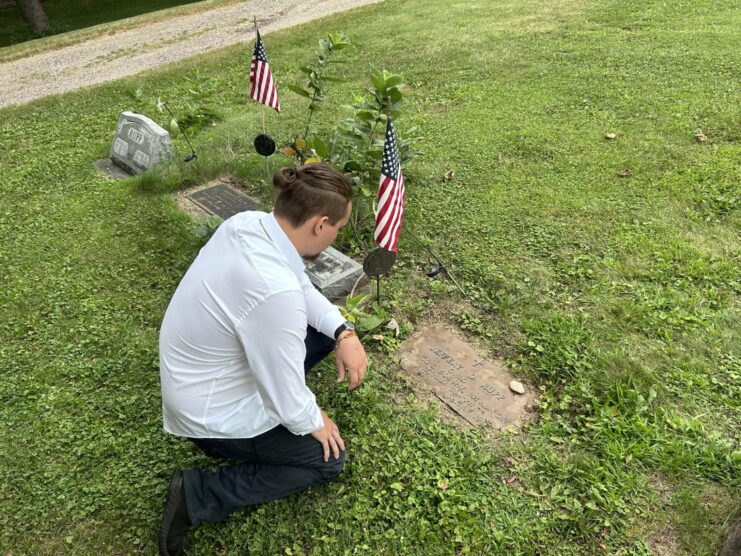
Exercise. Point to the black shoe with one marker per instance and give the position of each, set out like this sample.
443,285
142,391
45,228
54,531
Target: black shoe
175,521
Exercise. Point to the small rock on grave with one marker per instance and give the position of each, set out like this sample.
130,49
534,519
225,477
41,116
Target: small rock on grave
139,143
517,387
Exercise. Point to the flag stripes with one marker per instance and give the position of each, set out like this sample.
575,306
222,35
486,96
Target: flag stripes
263,86
391,194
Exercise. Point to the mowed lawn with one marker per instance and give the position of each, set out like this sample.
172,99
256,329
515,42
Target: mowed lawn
615,297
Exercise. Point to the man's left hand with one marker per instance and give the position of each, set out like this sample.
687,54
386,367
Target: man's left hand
351,357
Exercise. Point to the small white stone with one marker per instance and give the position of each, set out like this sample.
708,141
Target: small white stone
517,387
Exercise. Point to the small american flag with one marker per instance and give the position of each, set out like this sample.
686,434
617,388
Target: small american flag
263,86
391,194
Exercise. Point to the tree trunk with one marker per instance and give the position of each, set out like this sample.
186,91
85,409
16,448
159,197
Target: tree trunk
34,16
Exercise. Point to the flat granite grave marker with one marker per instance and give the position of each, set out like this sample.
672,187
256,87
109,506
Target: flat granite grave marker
333,273
139,143
223,201
474,387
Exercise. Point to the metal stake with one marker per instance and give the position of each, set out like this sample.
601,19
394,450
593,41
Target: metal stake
441,266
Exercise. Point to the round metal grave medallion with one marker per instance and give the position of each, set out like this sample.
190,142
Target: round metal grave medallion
264,145
378,262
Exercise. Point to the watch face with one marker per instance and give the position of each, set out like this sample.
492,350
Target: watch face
349,325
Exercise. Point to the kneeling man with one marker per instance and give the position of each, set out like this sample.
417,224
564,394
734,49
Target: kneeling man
243,328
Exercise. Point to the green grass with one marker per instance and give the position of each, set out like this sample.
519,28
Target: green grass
71,15
616,298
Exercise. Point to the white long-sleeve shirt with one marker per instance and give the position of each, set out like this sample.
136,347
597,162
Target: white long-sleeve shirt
232,340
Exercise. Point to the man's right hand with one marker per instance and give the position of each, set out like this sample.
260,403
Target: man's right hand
329,437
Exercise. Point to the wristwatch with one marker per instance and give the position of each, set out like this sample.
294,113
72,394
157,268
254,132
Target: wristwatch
347,325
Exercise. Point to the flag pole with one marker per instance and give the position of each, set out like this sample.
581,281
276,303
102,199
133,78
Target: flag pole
378,276
266,166
440,265
262,106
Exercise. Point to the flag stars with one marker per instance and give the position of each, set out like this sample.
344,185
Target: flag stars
390,164
260,53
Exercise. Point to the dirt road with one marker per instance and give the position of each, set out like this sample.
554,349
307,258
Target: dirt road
129,52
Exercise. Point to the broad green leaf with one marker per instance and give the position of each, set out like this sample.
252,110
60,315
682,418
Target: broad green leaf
370,322
174,127
378,81
356,300
394,80
365,115
300,90
395,95
320,147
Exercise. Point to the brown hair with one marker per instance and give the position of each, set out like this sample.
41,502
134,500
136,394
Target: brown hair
310,190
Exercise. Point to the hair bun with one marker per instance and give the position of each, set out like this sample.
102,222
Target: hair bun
285,178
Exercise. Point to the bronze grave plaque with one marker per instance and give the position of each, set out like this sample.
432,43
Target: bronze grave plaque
222,201
474,387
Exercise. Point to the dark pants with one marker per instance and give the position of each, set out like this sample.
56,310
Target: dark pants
272,465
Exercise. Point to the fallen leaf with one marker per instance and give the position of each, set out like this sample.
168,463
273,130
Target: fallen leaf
616,413
449,175
602,546
509,460
511,480
443,485
288,151
174,127
604,532
700,136
610,135
393,325
312,160
501,159
625,173
378,337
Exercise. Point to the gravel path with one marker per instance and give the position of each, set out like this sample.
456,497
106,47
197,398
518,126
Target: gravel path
111,57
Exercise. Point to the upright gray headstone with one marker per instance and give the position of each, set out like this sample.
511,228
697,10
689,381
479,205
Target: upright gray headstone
140,143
